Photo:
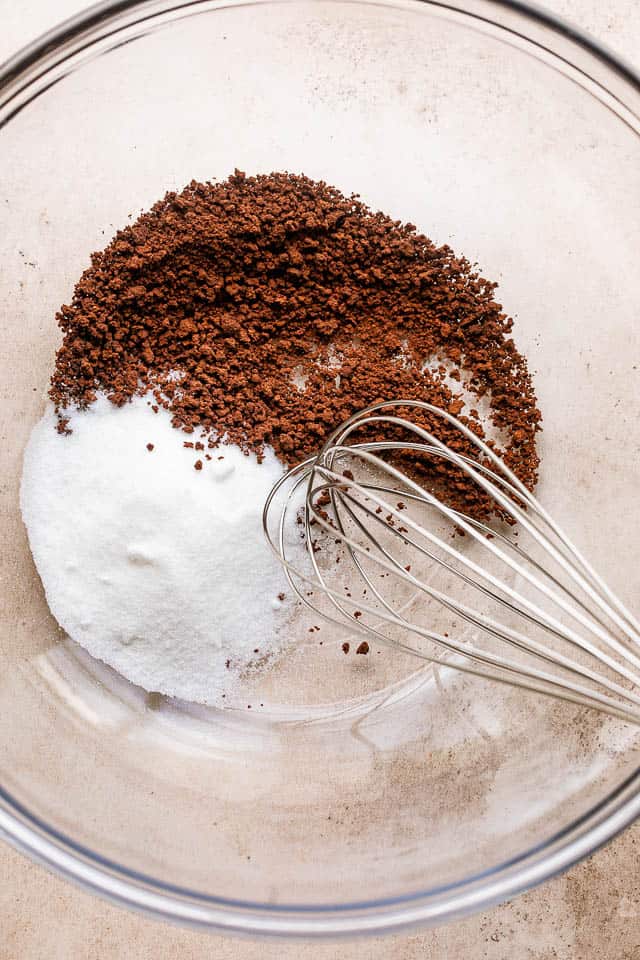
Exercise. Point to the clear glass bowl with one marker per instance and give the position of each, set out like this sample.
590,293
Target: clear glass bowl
368,794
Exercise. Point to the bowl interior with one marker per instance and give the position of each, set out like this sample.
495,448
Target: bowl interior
362,778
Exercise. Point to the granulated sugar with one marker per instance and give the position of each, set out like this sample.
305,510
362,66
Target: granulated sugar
158,569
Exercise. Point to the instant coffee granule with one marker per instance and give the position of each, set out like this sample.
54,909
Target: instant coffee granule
268,309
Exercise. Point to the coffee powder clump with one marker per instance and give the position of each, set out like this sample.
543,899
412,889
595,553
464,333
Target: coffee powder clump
268,309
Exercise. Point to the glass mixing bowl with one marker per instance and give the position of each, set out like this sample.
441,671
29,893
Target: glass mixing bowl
369,793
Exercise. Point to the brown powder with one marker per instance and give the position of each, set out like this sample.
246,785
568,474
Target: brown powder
271,308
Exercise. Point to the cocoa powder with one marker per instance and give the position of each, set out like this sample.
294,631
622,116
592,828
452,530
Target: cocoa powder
268,309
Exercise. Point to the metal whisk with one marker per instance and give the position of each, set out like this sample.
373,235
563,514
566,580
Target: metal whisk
538,614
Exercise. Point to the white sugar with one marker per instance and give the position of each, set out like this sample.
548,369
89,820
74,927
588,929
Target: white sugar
157,568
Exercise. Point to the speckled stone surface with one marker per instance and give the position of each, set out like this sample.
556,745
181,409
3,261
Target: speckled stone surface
590,913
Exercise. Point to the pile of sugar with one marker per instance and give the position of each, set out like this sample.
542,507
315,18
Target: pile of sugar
158,569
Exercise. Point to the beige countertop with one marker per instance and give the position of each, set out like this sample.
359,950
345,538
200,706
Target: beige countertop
590,913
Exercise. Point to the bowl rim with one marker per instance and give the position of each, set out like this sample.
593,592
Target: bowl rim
61,854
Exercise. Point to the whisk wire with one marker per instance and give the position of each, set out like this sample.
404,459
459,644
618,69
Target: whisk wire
489,487
359,508
363,416
544,618
481,621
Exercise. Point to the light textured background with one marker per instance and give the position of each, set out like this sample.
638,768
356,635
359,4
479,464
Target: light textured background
590,913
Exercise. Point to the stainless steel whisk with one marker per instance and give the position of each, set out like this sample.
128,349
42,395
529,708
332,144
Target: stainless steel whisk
543,619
